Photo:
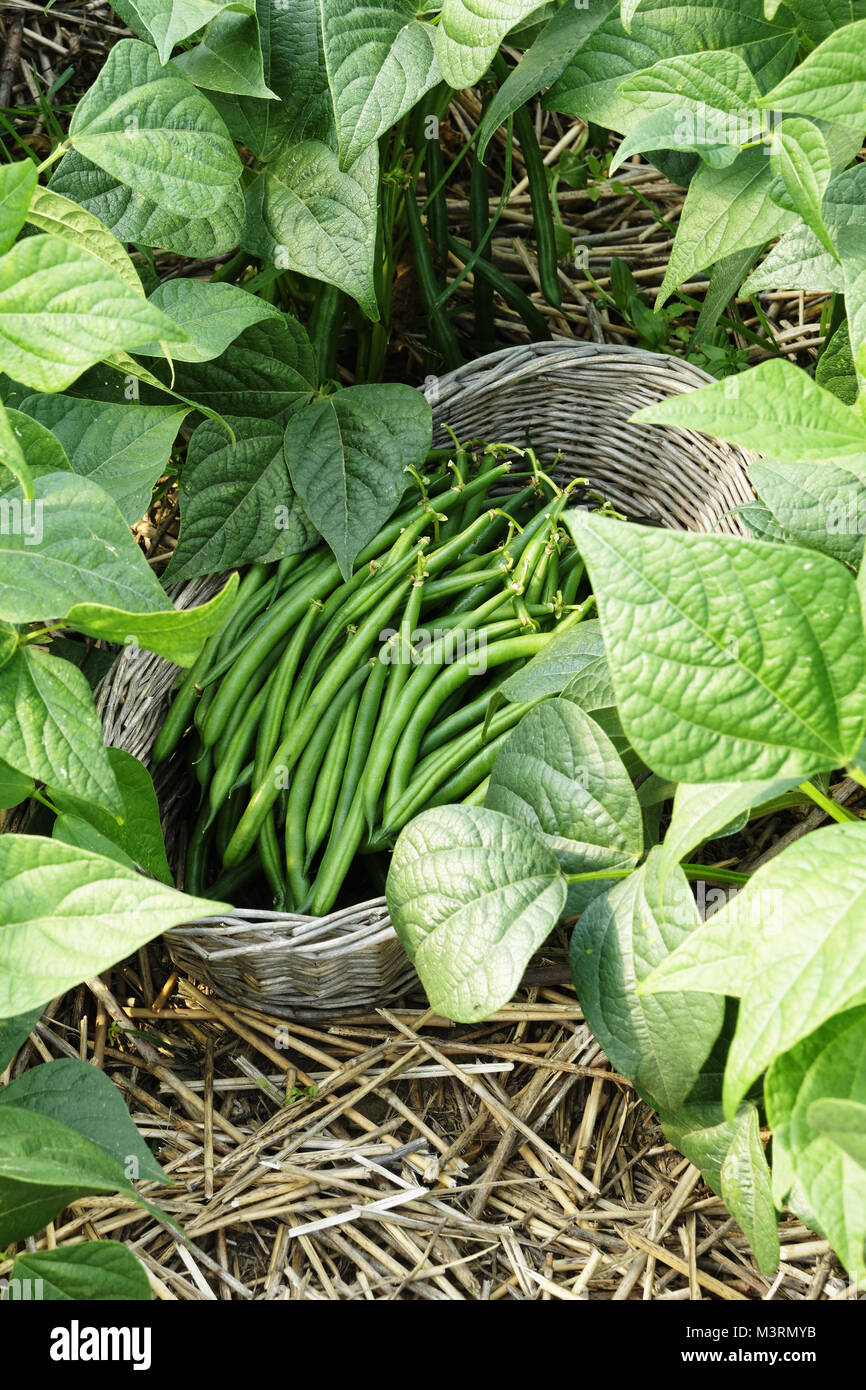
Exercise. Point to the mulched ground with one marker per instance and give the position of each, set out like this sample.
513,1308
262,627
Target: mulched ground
392,1154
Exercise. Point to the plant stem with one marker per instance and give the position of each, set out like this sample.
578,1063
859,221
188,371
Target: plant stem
827,803
856,775
691,871
52,158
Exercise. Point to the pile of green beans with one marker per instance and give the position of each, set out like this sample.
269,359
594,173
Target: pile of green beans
328,712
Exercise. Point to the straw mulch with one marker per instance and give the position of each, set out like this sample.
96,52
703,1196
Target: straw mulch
392,1154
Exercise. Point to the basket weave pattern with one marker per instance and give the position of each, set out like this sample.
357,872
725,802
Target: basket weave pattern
563,398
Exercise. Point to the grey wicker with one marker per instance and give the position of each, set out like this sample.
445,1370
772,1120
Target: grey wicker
560,396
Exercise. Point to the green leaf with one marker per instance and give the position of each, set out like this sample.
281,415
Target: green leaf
14,1033
150,128
774,407
730,658
237,503
132,217
823,1078
701,811
831,80
210,314
572,662
44,453
306,214
177,634
101,1270
820,18
123,448
61,310
81,1096
845,215
701,1133
800,159
469,34
797,261
380,62
559,774
51,212
726,211
704,102
17,185
746,1190
347,455
169,24
228,58
835,368
658,1043
821,506
542,63
44,1166
795,950
12,458
268,372
471,895
68,914
49,728
14,786
140,834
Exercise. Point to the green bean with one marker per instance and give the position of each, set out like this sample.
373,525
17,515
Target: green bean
442,731
327,790
479,222
182,706
542,212
203,766
512,294
197,854
441,327
273,863
437,208
571,574
290,748
279,691
224,823
397,672
244,702
225,887
337,860
235,752
475,797
324,327
362,737
550,586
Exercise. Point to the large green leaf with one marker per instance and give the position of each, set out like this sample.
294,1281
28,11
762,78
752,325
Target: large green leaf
701,811
775,408
124,448
797,261
228,57
268,372
830,82
659,1042
17,185
795,950
472,895
304,213
822,506
470,32
814,1169
50,731
68,914
211,315
169,24
12,456
101,1270
845,215
15,787
81,1096
139,836
40,447
150,128
51,212
801,161
132,217
835,367
347,455
572,662
177,634
61,310
820,18
730,658
237,502
560,774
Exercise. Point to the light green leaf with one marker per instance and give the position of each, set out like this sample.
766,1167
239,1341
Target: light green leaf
746,1190
572,662
718,143
347,455
801,161
821,506
818,1176
831,80
306,214
700,811
50,731
471,895
149,127
210,314
237,503
726,210
169,24
469,34
730,658
44,452
559,774
101,1270
124,448
14,786
178,634
51,212
14,1032
79,1095
835,367
61,310
268,372
843,1121
659,1043
12,460
133,217
68,914
17,186
796,262
140,833
775,407
701,1133
820,18
228,58
845,215
710,99
380,62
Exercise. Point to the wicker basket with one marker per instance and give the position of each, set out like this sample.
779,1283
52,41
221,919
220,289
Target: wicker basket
570,397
